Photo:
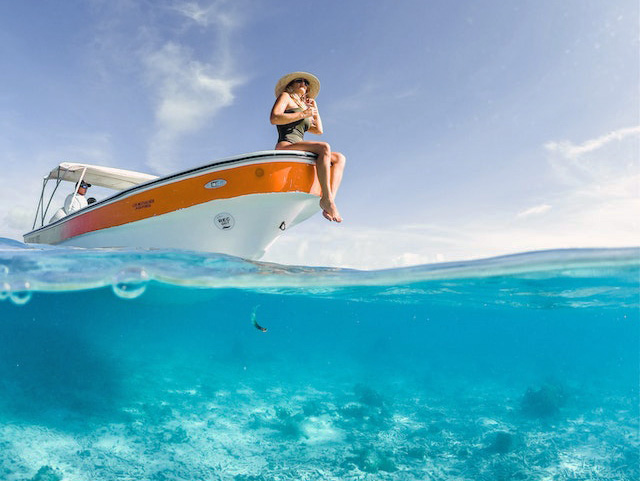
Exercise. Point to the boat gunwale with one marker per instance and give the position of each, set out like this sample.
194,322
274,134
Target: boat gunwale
292,156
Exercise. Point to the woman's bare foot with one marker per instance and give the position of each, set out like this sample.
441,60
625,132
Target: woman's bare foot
329,210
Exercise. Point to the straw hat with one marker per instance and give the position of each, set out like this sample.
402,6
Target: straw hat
314,83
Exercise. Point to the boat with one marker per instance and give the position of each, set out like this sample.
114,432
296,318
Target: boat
238,205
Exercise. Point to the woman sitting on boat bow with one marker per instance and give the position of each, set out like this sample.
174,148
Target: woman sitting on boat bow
295,112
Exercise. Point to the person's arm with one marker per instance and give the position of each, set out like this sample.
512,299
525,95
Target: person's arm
278,117
316,125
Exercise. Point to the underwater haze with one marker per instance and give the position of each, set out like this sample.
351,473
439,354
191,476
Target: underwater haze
165,365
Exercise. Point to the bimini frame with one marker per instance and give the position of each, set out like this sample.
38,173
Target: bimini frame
41,210
109,177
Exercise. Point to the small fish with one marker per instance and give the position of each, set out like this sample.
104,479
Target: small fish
255,322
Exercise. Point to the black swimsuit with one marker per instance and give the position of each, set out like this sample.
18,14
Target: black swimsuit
293,132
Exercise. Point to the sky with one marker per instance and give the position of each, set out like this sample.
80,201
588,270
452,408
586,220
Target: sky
471,129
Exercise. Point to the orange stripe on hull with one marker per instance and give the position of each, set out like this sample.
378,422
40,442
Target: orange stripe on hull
256,178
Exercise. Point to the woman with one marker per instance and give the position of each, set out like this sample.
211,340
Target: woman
295,112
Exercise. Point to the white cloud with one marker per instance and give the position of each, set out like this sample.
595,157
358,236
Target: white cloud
188,94
216,13
600,170
319,243
185,89
535,210
188,91
571,150
194,11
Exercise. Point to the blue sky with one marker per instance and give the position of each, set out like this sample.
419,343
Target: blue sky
471,128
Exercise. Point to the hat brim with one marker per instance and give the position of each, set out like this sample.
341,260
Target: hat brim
314,83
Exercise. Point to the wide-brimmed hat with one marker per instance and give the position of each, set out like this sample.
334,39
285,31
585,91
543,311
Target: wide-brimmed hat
314,83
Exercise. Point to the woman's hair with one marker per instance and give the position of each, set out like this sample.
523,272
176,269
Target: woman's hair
298,99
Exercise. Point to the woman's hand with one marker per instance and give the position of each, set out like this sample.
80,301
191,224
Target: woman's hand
313,106
316,123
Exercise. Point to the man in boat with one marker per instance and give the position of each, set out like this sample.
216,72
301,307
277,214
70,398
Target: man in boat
78,201
74,201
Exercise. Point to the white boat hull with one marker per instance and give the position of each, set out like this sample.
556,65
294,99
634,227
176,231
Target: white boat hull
256,221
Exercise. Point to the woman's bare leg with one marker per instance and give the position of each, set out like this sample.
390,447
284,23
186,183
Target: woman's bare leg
323,168
338,162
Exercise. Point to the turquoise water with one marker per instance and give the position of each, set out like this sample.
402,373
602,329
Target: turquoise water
146,365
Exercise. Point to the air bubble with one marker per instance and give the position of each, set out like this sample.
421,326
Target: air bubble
20,293
4,270
20,298
4,290
130,283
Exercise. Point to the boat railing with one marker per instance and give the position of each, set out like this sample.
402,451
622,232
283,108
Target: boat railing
41,210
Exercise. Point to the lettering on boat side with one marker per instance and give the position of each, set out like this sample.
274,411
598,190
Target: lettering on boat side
143,204
214,184
224,221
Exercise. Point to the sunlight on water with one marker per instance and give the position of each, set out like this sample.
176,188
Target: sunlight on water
159,365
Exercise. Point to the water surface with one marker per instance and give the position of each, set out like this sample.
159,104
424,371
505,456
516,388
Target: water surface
145,364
